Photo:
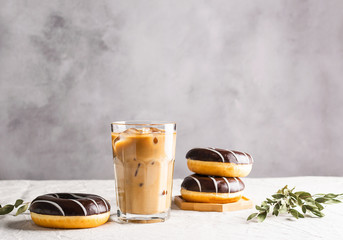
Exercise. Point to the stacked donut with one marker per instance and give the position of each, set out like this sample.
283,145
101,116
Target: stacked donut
217,175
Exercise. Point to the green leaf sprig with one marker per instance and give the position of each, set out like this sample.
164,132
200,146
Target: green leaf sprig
19,204
287,201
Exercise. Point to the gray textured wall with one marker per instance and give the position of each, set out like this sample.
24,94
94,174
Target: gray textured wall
260,76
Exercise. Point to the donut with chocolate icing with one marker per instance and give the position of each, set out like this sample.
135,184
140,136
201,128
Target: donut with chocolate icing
69,210
219,162
211,189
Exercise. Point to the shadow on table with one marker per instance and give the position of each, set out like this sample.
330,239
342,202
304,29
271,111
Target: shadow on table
27,225
174,207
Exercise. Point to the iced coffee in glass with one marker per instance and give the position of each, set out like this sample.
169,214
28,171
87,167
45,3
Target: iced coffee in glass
143,157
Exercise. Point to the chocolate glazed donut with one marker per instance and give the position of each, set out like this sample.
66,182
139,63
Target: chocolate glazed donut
219,162
69,210
199,188
69,204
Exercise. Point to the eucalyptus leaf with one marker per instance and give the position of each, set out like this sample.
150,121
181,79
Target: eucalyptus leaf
311,208
321,200
310,201
319,194
6,209
319,206
294,213
318,213
278,196
304,195
300,215
22,209
293,195
258,208
331,195
251,216
332,201
275,211
262,216
303,208
298,193
18,203
300,202
292,203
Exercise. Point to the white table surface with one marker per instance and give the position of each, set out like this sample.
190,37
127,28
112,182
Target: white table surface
182,224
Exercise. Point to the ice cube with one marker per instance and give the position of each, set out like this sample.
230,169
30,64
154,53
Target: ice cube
156,130
146,130
132,131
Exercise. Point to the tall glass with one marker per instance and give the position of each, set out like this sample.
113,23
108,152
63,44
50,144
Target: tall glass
143,157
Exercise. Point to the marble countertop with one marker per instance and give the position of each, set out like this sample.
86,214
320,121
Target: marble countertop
182,224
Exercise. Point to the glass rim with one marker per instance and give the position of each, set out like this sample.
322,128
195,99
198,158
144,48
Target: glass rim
142,123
